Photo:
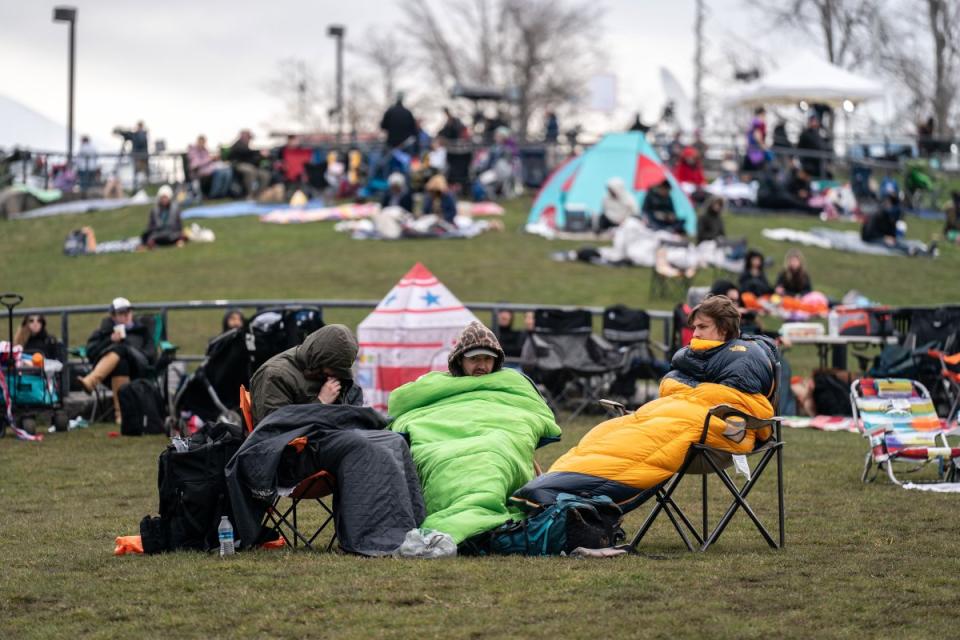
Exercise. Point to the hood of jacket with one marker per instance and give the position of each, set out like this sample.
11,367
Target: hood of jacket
331,347
475,336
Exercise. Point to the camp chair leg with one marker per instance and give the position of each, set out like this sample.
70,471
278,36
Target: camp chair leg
676,525
703,482
740,496
664,502
781,511
867,468
889,465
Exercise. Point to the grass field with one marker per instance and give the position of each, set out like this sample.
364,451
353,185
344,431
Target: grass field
860,561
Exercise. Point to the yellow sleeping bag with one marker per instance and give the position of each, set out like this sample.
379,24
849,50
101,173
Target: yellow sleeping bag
642,450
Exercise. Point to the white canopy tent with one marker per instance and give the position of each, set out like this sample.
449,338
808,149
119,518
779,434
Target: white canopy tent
809,78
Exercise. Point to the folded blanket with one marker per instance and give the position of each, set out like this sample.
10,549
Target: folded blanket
472,439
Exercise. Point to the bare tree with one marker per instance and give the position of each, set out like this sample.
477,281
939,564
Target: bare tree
844,28
296,84
920,49
540,50
384,52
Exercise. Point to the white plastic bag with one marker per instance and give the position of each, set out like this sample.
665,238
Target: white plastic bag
426,543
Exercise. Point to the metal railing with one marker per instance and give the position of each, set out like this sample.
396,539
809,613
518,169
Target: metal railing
164,308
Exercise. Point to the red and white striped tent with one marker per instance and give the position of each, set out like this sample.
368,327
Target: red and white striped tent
410,333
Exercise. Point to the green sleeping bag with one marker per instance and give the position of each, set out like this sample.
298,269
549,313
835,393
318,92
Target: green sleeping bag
472,439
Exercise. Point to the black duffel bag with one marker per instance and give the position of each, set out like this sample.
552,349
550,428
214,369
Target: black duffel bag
193,491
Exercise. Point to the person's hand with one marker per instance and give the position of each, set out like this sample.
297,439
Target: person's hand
116,337
329,391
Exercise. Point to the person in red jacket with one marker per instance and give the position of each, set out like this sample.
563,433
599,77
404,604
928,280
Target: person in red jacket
689,169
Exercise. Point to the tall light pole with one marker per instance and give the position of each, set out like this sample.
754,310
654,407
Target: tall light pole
338,31
69,14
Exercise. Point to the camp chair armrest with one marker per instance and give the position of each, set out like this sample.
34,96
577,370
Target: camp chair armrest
724,411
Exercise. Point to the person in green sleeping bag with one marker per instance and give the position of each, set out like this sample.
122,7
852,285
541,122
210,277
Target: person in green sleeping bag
473,432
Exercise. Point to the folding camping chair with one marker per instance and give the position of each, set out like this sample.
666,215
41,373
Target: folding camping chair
315,488
629,331
704,460
898,418
565,358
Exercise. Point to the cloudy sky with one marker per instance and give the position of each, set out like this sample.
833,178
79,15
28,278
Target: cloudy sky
188,66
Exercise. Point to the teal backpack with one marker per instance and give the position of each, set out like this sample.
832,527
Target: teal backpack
569,523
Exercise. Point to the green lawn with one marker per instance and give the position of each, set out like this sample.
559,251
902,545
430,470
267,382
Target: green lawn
860,560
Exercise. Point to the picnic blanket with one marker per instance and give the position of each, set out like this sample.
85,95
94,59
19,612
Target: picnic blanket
244,208
298,215
829,423
835,239
85,206
472,439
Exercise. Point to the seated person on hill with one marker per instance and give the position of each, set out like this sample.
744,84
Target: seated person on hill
164,227
658,210
233,319
510,339
710,222
121,349
397,193
473,432
794,279
881,226
951,227
33,337
689,172
629,457
306,394
778,193
215,176
247,162
618,205
753,280
438,200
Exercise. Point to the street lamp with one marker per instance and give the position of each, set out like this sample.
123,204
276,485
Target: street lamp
338,31
69,14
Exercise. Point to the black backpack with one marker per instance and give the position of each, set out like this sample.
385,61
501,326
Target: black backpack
142,409
193,491
831,392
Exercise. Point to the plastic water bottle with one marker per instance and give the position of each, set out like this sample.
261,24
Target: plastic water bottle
225,531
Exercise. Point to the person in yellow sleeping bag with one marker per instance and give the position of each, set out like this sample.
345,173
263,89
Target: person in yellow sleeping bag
627,458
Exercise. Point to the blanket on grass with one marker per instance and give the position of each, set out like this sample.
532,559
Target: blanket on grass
838,240
472,439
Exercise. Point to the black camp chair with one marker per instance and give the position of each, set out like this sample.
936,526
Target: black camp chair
703,460
275,329
567,361
629,331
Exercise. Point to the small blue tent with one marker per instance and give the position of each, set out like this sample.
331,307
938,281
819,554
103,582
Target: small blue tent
582,181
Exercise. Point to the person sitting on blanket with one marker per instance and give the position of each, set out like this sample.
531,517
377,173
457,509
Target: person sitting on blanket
438,200
754,279
951,225
164,226
397,193
121,348
658,211
629,457
473,432
618,205
794,279
319,370
710,222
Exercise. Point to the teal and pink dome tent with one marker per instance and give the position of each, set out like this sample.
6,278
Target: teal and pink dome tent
581,182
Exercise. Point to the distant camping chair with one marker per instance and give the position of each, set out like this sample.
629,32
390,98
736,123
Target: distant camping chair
628,330
565,358
898,418
673,270
315,487
704,460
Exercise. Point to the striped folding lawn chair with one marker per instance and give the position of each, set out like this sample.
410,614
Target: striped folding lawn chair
898,418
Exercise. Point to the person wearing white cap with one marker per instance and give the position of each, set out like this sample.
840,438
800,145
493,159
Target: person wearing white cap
121,348
164,226
397,194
